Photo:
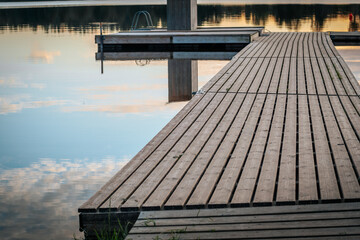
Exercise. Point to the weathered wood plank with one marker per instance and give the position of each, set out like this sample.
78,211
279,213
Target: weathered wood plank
349,135
265,234
327,178
223,76
239,76
187,221
229,178
307,176
292,82
306,45
347,77
301,81
352,112
267,180
275,49
287,172
247,183
320,87
176,143
290,45
269,210
190,157
186,157
211,175
246,79
275,77
253,86
283,86
339,88
310,80
247,226
348,181
328,83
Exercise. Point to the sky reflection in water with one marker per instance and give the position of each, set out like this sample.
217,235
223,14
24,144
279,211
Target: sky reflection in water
66,129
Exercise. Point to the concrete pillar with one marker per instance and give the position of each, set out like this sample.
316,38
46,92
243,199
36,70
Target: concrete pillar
181,14
183,79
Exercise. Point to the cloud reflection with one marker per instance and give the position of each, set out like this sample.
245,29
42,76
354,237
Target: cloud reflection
13,104
41,201
44,56
14,83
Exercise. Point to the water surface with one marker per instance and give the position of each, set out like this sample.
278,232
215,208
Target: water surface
66,128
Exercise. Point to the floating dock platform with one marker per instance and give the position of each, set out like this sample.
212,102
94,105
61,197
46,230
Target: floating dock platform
202,39
278,125
345,38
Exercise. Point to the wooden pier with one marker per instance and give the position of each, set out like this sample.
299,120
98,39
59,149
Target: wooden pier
203,39
278,125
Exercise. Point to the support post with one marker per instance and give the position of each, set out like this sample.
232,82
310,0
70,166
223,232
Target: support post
181,14
183,79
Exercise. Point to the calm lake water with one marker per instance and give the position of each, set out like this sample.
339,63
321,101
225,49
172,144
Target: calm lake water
65,128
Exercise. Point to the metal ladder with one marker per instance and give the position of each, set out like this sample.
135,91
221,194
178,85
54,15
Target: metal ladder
136,17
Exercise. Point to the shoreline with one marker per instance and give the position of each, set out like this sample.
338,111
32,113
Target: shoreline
88,3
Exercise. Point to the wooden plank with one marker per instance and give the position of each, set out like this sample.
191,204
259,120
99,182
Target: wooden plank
324,68
275,49
263,46
348,180
175,161
339,88
320,88
283,85
307,175
172,179
329,52
311,45
99,197
247,183
316,45
301,82
294,52
269,47
221,77
253,86
176,142
310,80
246,226
321,44
306,45
343,77
352,112
254,46
247,77
289,233
229,178
351,140
287,172
327,179
347,77
292,76
271,76
281,49
255,211
281,218
292,44
237,75
212,173
300,52
275,78
331,45
266,185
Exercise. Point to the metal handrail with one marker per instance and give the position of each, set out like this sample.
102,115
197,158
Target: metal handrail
136,17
